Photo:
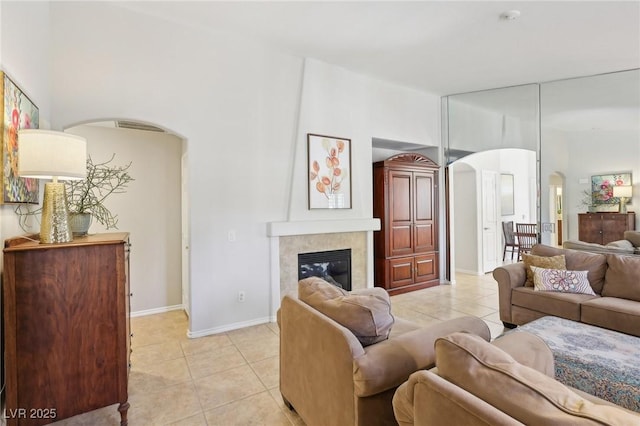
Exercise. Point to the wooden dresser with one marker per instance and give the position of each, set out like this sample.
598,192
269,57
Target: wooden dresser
66,327
603,228
405,198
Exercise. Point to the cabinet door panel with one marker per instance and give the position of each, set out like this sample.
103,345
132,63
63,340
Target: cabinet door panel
426,267
401,240
401,272
400,196
613,227
425,237
400,217
590,228
424,196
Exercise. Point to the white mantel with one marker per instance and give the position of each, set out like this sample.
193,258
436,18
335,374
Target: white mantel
306,227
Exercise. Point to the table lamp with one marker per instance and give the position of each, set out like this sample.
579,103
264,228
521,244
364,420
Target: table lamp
623,192
46,154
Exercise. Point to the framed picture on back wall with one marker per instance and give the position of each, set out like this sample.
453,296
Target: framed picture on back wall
602,187
18,112
329,162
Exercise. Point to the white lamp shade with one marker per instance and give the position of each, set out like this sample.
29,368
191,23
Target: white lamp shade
45,154
623,191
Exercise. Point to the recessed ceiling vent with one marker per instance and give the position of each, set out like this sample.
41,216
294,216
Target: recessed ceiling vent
134,125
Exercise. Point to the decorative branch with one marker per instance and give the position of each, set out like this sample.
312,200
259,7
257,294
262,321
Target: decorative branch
88,195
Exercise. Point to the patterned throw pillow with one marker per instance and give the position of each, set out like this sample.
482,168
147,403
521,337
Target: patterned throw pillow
561,280
549,262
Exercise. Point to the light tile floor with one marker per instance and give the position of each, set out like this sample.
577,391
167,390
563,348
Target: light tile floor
232,378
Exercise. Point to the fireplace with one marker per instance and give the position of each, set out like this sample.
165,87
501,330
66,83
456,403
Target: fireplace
334,266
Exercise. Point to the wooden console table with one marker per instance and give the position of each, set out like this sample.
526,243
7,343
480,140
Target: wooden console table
603,228
66,327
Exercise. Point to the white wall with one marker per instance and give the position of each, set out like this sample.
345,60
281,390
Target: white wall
149,209
242,110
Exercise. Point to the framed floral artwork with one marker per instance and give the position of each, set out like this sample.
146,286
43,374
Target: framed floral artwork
602,187
18,112
329,160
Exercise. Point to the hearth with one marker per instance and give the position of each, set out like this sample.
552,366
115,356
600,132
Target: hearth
334,266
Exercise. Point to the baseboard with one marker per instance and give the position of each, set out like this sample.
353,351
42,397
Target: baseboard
156,311
469,272
228,327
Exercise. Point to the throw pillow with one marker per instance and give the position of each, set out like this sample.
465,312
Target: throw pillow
621,279
561,280
521,392
549,262
366,313
577,260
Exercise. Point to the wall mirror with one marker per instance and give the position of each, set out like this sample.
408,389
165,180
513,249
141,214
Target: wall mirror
590,126
491,134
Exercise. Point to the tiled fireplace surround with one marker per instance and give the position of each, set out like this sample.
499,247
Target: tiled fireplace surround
288,239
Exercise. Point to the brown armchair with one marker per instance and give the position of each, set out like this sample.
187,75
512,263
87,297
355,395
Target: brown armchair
329,378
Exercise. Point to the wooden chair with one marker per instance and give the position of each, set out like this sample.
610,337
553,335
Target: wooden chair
527,234
509,239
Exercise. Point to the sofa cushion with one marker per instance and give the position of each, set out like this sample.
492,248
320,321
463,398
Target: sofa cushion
548,262
367,314
622,277
622,244
525,394
612,313
564,305
577,260
562,281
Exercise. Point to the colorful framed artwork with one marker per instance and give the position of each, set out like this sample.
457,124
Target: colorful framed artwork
602,187
329,160
18,112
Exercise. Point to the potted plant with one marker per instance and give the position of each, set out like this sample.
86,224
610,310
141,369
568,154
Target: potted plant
587,201
85,198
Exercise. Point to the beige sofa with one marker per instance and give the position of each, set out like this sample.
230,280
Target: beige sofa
329,378
630,244
507,382
615,279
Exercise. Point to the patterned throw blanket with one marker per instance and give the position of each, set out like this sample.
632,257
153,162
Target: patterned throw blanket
595,360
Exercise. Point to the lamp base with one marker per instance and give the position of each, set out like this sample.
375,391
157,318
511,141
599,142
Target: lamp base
54,227
623,205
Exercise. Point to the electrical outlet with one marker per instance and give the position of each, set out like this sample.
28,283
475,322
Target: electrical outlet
241,296
231,235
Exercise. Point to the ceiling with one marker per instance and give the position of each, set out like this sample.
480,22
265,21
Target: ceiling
443,47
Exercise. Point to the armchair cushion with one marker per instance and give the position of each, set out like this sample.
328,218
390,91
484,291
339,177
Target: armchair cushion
366,313
388,364
519,391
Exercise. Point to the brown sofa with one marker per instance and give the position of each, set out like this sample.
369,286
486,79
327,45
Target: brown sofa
615,279
329,378
507,382
630,244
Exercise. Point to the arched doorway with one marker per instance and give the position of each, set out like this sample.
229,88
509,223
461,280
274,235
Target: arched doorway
151,209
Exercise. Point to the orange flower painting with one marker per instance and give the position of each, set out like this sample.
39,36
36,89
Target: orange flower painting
329,172
18,112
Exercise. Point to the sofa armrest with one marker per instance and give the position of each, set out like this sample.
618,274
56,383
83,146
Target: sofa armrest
316,358
528,349
428,399
387,364
508,277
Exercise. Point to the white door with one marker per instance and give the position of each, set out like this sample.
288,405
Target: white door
490,240
185,236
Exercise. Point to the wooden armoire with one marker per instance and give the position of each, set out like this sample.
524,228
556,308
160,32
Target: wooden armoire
405,199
